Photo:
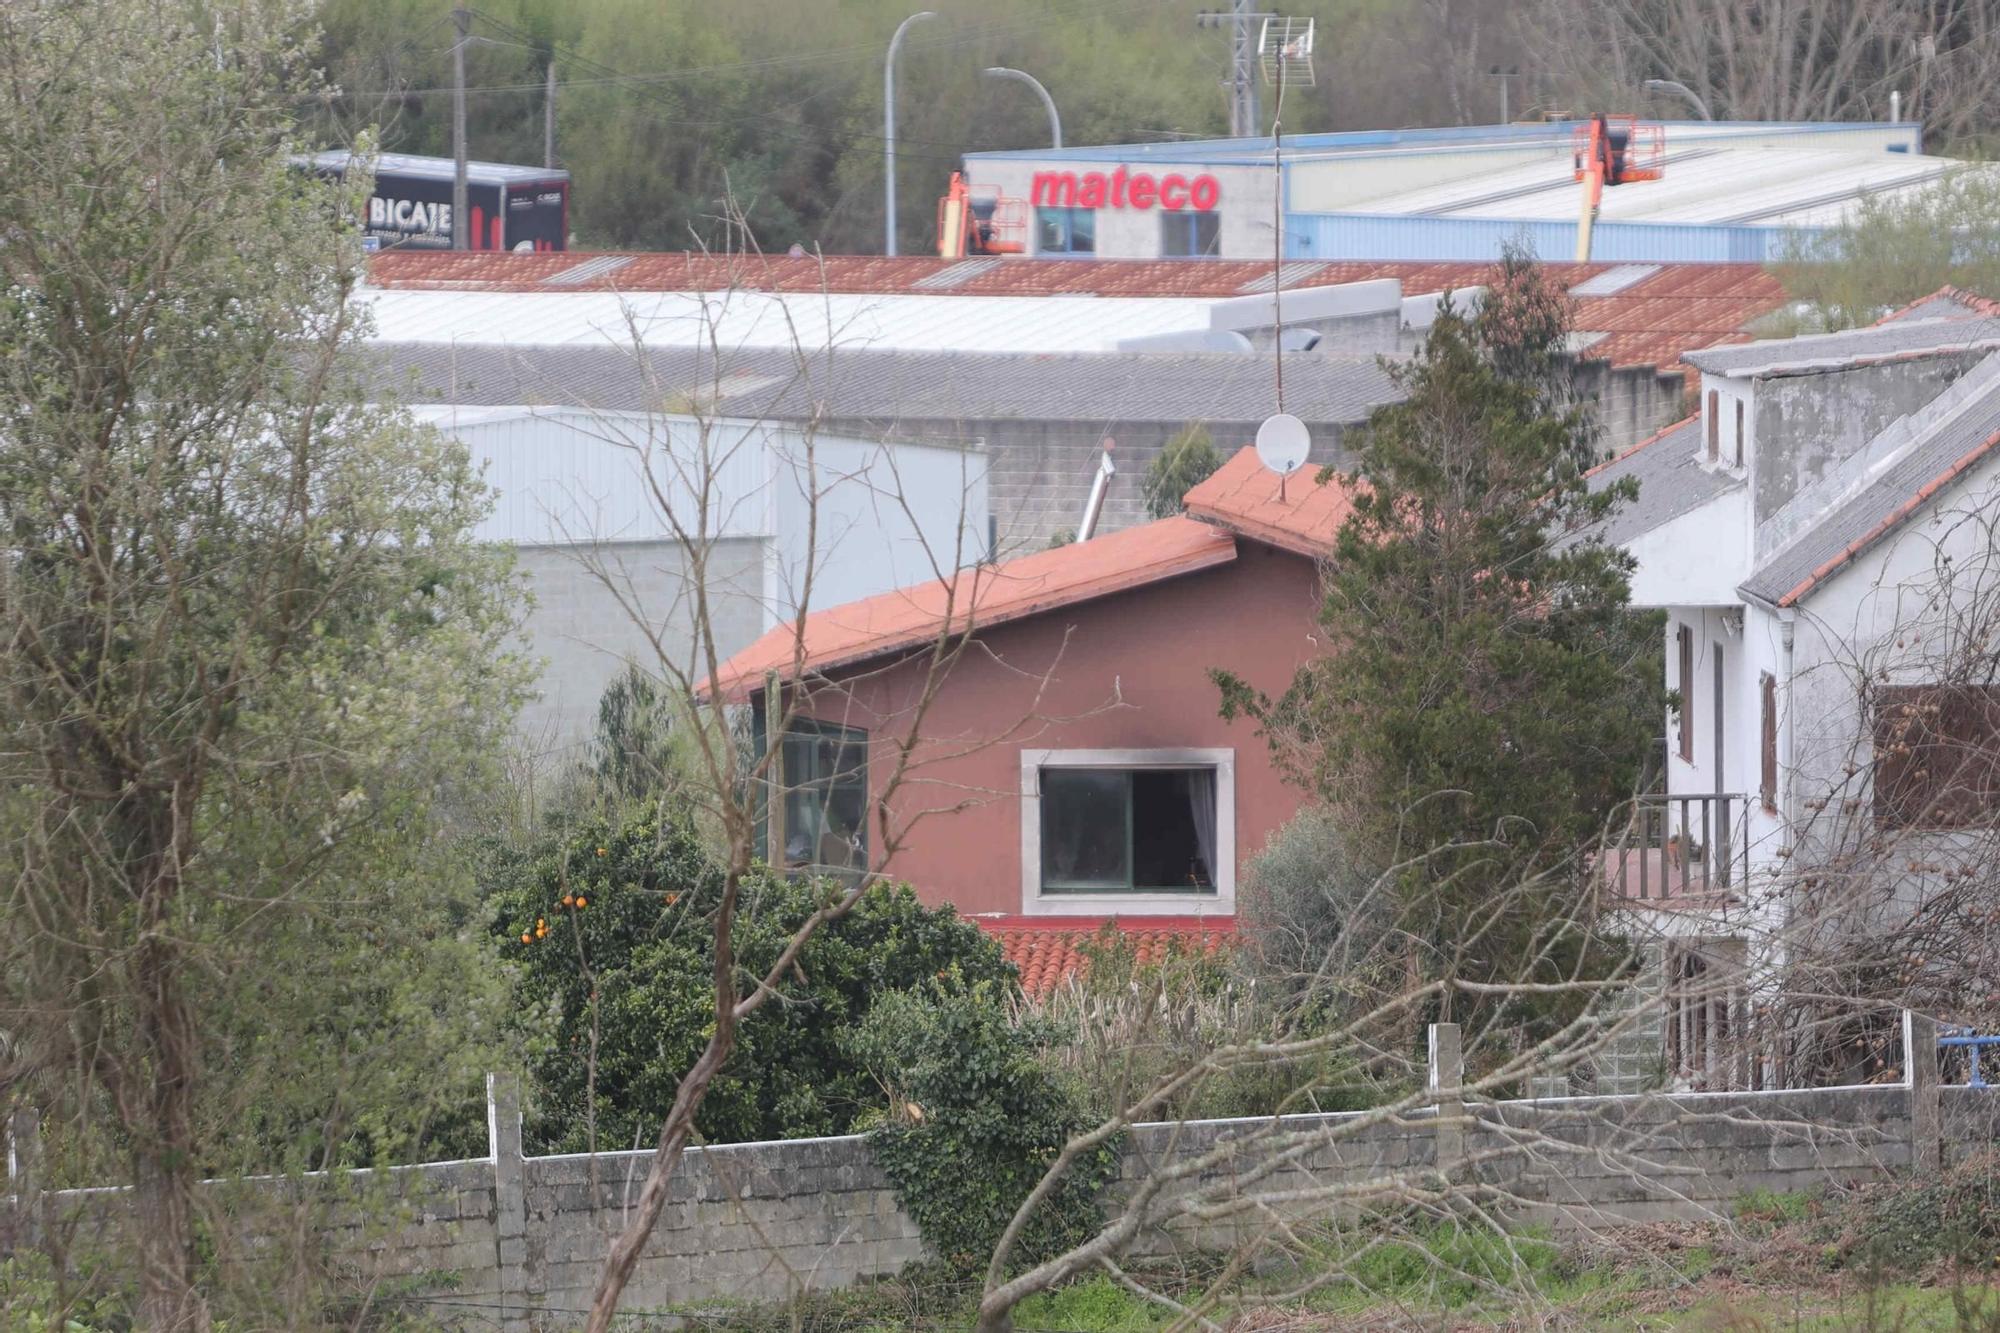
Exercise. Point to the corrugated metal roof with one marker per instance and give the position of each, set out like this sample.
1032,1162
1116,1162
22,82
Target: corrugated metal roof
1913,460
761,319
1452,138
772,384
982,596
1724,184
1827,351
1299,513
1652,317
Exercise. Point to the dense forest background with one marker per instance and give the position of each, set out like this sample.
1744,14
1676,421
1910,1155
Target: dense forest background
667,106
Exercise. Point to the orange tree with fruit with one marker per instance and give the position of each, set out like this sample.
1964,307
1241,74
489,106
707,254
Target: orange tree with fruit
607,921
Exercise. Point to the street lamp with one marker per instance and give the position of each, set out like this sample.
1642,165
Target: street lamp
1055,121
889,129
1672,86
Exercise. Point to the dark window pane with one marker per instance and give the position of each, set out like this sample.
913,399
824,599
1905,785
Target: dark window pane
1052,230
1083,231
1084,829
826,798
1166,849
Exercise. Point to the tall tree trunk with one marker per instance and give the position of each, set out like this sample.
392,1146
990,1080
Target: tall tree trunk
165,1157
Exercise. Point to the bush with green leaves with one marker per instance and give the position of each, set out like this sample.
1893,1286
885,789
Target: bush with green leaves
609,921
977,1117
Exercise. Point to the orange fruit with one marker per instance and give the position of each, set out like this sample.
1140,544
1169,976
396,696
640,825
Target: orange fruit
527,938
569,900
583,902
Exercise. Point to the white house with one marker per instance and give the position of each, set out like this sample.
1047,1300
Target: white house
1821,539
609,513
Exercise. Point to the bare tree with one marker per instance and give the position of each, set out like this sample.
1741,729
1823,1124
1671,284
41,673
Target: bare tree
1792,60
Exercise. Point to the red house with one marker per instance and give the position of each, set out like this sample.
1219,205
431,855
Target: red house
1067,763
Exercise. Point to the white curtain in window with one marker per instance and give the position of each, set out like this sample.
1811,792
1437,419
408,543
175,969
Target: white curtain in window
1201,809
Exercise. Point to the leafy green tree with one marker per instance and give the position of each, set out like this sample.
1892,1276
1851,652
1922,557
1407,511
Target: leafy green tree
1488,696
252,657
977,1115
1897,248
1187,460
609,922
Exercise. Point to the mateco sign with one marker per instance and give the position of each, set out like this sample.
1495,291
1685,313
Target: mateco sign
411,215
1123,189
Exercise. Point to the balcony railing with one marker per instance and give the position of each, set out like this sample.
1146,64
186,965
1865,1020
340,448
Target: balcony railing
1680,849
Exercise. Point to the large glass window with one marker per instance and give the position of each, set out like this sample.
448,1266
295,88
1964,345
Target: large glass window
1128,830
1066,231
1186,235
823,773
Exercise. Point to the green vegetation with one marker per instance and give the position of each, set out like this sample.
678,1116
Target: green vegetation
976,1119
1488,696
1897,248
608,923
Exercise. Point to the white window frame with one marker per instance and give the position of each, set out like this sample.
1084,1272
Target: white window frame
1222,902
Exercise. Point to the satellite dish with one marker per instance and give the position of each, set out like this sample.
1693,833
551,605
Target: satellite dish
1282,443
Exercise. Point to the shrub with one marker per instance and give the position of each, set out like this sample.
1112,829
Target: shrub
1313,913
1133,1023
976,1119
609,924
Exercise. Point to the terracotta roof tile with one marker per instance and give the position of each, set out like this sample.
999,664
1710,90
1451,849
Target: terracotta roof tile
1301,515
986,595
1048,950
1652,321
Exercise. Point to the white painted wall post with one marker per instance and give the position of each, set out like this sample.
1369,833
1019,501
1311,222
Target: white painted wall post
1447,1077
510,1200
1920,1076
24,1173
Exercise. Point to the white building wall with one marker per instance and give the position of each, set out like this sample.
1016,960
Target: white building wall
1245,201
605,509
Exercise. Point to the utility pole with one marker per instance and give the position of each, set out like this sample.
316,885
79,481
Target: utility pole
1244,119
889,132
462,20
549,117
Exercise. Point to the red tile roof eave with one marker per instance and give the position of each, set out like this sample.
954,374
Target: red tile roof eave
743,686
1948,292
1890,521
1266,533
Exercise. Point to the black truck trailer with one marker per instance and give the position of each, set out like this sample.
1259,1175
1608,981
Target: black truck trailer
508,207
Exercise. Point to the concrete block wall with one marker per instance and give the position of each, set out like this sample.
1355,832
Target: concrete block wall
519,1240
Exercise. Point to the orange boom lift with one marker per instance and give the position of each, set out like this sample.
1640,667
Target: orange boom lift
1612,150
979,224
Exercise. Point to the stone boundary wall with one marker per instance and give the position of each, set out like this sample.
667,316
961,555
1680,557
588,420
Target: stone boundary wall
514,1242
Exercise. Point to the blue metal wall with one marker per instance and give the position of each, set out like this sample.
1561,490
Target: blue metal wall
1400,236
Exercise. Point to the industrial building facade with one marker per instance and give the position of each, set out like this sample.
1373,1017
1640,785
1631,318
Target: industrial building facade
1731,191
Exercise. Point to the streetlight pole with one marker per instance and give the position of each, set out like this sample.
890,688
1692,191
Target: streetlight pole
1055,120
461,19
889,131
1674,86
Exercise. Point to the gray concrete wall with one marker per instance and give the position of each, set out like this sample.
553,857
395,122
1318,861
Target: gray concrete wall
516,1242
1806,424
584,637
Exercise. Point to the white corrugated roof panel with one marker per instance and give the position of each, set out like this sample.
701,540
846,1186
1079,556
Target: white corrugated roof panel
1713,183
813,322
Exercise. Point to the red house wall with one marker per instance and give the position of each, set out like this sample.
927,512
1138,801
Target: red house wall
1128,671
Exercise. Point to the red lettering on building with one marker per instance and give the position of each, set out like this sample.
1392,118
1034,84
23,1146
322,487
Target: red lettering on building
1123,189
